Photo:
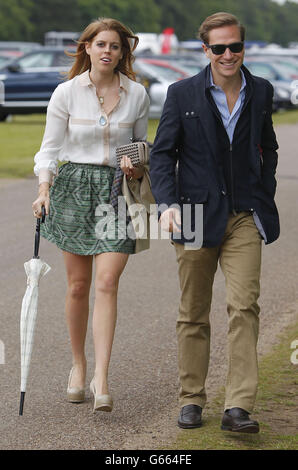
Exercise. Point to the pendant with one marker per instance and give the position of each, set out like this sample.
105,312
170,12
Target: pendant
101,99
102,121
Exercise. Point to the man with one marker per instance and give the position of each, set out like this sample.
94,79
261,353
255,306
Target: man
216,147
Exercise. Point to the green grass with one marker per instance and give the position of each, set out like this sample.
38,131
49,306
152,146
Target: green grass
285,117
21,138
276,409
152,128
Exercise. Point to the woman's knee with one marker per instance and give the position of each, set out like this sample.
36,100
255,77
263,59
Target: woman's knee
79,289
107,283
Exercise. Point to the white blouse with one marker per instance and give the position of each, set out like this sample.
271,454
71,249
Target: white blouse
78,130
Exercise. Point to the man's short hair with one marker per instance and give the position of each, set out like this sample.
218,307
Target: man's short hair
218,20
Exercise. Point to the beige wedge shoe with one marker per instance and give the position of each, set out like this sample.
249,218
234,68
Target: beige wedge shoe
101,402
74,394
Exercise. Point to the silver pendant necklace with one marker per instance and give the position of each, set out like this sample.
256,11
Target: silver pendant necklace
101,99
102,119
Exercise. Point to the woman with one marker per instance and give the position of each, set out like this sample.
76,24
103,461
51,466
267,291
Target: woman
99,108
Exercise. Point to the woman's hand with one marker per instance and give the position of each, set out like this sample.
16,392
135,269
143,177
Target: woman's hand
129,170
42,200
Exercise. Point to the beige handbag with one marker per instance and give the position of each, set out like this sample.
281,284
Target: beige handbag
138,152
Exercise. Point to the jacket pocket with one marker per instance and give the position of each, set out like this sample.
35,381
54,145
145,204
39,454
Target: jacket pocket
200,197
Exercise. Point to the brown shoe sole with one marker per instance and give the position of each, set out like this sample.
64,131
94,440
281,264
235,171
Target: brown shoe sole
189,426
249,429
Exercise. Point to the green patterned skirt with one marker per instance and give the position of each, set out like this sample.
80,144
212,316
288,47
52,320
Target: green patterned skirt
79,219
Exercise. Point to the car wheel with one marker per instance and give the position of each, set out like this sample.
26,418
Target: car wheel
3,116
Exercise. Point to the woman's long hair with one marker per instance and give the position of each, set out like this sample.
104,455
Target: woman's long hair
129,43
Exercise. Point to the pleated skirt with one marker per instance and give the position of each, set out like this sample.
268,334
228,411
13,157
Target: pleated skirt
80,220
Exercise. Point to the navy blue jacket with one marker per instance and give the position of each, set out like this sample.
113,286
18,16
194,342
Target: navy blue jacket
188,135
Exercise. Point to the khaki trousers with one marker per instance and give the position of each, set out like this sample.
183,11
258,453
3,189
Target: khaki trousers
239,256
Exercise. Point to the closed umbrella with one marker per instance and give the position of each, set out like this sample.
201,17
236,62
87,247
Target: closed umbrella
35,270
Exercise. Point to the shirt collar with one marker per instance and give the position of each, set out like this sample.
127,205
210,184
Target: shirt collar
212,84
84,80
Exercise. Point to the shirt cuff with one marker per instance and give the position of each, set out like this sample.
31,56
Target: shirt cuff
45,176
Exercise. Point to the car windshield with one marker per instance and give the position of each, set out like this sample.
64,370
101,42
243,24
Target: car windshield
40,59
287,69
61,60
188,67
4,60
261,70
159,71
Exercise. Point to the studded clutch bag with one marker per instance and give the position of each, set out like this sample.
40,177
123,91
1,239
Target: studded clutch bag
138,152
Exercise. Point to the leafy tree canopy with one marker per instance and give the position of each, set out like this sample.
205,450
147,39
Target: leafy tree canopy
28,20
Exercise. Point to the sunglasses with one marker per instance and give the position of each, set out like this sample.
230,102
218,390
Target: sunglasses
219,49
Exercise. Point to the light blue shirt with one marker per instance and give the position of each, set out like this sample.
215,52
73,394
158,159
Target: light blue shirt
229,119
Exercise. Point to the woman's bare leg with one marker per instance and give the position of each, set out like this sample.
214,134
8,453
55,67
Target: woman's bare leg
109,267
79,276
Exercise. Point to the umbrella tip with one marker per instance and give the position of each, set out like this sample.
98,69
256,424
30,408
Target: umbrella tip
22,403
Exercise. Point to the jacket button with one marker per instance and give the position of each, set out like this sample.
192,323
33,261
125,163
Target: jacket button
187,113
188,199
223,193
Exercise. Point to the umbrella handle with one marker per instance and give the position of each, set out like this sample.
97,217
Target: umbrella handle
37,232
22,399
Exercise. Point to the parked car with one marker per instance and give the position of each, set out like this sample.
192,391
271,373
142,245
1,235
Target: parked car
190,67
164,68
157,76
18,48
30,80
278,77
5,59
273,52
194,62
287,66
61,38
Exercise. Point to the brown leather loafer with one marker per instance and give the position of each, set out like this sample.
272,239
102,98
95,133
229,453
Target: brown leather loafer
190,417
237,420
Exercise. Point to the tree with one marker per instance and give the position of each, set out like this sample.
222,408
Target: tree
55,15
30,19
133,13
15,23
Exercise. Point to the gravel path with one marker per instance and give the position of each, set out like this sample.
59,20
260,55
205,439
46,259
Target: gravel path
143,376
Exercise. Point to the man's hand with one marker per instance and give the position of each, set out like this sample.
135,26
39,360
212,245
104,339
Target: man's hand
170,220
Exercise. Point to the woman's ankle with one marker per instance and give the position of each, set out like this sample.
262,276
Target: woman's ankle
101,384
